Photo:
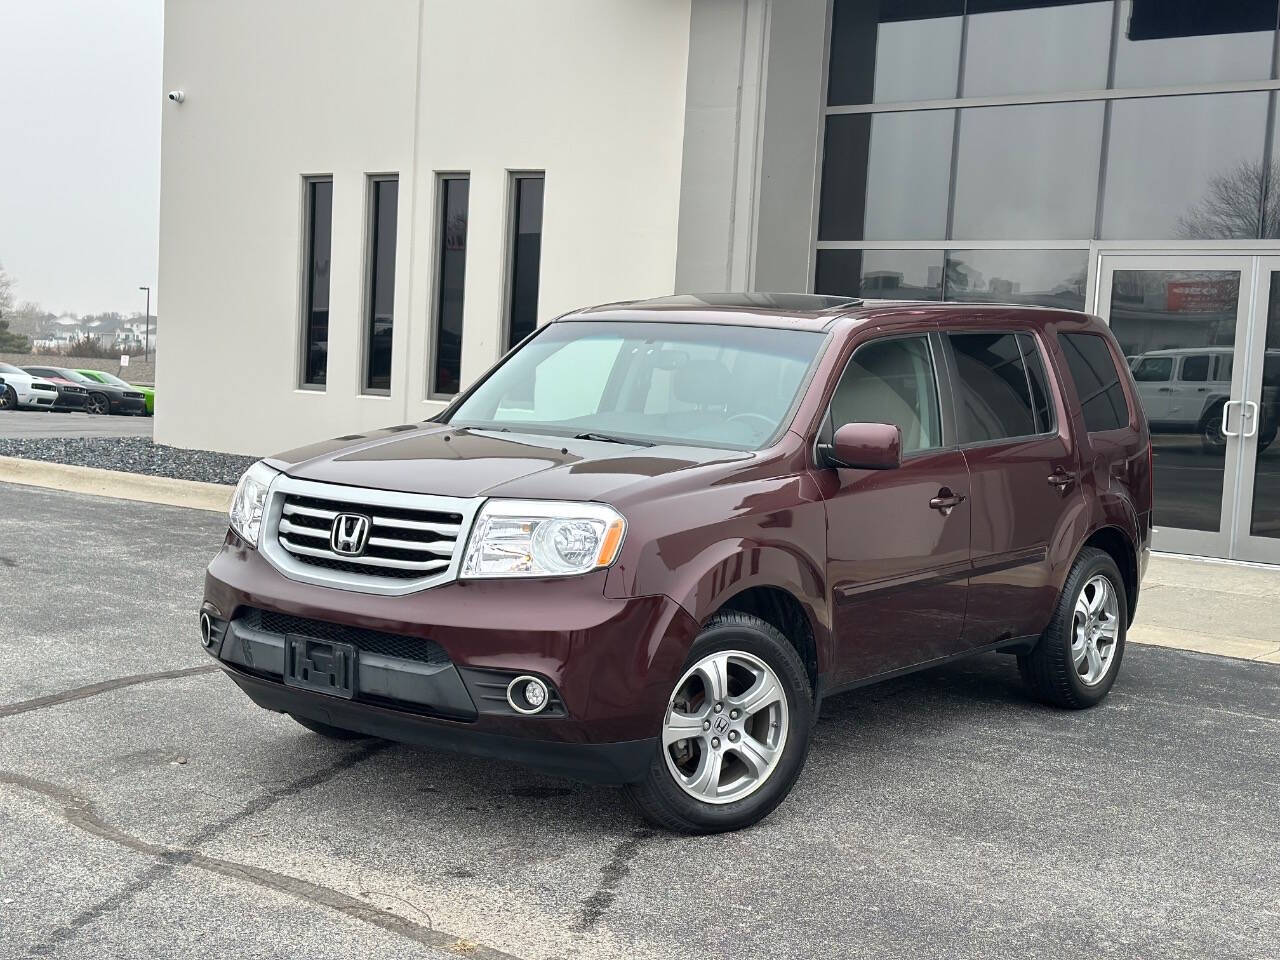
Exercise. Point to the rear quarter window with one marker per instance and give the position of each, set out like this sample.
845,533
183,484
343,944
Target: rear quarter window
1097,378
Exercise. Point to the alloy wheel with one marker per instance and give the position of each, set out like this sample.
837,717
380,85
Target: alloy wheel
8,400
726,727
1095,629
98,404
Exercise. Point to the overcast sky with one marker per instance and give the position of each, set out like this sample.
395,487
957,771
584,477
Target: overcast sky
80,106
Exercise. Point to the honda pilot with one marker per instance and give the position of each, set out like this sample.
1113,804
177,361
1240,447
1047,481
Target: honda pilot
646,546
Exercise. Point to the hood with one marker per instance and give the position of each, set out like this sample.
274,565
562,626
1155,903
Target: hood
462,462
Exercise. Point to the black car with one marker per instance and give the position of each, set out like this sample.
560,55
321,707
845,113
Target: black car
100,397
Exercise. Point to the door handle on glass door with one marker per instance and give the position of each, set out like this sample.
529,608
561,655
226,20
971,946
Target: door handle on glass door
1226,412
946,501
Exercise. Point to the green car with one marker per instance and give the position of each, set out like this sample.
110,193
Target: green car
148,393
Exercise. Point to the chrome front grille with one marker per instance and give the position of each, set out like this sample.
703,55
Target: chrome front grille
413,541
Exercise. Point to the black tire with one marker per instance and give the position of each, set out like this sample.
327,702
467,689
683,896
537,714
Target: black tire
1049,669
1212,439
325,730
662,802
98,404
8,398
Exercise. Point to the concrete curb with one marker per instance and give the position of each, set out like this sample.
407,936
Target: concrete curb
215,497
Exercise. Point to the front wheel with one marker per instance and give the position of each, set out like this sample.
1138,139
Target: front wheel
98,404
735,731
8,398
1076,661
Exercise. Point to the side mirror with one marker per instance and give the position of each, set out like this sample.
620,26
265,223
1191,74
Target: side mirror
866,446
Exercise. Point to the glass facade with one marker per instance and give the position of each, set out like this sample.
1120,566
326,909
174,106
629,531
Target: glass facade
1010,134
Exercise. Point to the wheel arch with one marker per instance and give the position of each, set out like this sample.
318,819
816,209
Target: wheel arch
1121,547
783,610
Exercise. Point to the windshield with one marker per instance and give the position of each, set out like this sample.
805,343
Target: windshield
697,384
103,377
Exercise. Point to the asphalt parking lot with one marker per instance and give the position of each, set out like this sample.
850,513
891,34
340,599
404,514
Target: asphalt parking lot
147,809
18,424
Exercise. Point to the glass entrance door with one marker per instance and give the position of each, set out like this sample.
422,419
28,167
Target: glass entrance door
1195,330
1258,534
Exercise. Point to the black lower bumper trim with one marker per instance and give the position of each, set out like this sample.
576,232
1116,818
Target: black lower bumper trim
624,762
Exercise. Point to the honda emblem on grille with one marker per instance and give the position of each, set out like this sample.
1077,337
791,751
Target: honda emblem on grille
350,534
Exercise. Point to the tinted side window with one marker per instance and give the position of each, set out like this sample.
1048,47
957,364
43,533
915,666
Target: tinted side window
1097,381
1195,369
993,397
892,381
1040,396
1153,370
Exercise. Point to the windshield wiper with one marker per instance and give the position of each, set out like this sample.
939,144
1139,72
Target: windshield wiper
605,438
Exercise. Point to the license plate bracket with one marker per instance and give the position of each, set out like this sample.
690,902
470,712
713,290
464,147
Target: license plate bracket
321,666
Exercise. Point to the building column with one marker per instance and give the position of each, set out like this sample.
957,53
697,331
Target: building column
753,118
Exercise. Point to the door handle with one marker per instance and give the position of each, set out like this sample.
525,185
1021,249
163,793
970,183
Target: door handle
1061,479
1165,390
946,501
1226,411
1250,415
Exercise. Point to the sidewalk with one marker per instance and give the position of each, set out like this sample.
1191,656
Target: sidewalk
1211,607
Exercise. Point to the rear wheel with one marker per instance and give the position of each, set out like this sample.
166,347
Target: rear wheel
735,731
98,404
1212,439
1076,661
325,730
8,398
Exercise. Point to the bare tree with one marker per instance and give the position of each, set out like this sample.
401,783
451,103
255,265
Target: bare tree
6,292
1243,203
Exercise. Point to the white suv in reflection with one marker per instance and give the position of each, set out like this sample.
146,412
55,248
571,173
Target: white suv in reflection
1184,390
21,389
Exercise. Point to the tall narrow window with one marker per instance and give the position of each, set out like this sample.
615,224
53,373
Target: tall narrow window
318,243
381,281
453,191
525,256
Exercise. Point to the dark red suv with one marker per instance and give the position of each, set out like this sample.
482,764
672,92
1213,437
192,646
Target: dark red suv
649,542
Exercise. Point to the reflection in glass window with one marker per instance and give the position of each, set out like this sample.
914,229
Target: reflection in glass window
886,176
319,244
1037,48
1039,383
451,269
1170,309
1097,380
1028,172
1167,42
525,256
383,194
891,381
1054,278
1265,518
1186,168
885,51
1153,370
1195,368
882,274
993,397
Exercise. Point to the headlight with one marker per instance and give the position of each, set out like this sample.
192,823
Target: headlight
250,501
542,538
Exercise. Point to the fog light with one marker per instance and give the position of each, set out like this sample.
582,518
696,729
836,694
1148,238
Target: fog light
527,695
536,694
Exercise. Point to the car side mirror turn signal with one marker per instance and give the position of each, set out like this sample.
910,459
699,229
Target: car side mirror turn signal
865,446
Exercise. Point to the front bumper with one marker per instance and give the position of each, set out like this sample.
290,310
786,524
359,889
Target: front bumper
610,663
71,401
129,405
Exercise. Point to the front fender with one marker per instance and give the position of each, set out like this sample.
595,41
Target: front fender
776,539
